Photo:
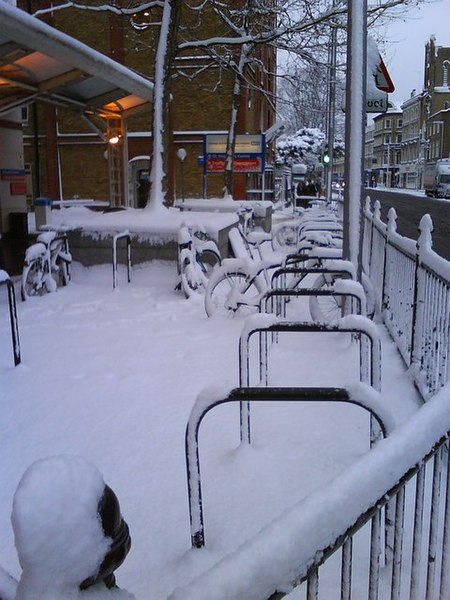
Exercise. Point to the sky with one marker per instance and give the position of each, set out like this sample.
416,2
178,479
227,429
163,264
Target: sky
405,48
112,375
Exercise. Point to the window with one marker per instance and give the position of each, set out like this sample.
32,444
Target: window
445,68
387,123
387,139
25,115
399,122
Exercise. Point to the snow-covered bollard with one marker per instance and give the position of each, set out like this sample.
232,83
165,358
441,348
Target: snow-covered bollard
69,532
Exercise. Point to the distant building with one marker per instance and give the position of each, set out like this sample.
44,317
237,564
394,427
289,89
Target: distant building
413,144
437,100
405,139
387,137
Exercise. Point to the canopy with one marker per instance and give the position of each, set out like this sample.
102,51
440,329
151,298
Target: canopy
38,62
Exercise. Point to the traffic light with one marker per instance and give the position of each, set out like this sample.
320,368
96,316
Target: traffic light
325,155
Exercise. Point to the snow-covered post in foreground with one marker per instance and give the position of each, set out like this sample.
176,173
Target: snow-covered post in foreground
355,117
161,99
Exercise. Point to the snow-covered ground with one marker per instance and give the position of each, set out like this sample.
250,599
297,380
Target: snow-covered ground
112,375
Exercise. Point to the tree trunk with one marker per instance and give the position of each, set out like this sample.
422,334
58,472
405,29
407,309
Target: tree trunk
235,106
165,55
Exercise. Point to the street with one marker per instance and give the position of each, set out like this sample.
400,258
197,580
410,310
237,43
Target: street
410,209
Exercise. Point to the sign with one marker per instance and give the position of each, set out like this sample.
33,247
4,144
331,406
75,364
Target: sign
379,82
248,153
13,174
18,188
249,143
383,80
378,104
242,163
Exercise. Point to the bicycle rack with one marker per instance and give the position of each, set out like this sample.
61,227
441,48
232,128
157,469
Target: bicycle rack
124,235
316,253
286,293
246,395
354,324
343,269
5,280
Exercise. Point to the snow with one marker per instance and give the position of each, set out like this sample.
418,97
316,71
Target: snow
57,530
162,226
112,376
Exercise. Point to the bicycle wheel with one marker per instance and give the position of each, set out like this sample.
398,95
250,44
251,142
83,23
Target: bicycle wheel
208,259
64,272
192,278
32,279
325,309
229,293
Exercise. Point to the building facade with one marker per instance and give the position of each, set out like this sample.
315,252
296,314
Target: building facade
65,154
414,144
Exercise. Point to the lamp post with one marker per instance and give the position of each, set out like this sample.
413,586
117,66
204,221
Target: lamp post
181,153
354,130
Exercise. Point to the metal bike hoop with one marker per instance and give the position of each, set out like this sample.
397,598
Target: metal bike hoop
247,395
123,235
320,268
369,355
12,317
287,293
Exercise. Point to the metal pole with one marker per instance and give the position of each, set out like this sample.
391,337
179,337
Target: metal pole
328,171
355,129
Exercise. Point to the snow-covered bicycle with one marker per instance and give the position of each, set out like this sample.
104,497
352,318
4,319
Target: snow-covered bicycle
198,255
47,263
238,287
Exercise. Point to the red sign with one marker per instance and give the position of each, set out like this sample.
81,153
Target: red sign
247,165
215,165
18,188
383,80
241,164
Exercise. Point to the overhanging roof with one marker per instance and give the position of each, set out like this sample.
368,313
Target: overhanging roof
38,62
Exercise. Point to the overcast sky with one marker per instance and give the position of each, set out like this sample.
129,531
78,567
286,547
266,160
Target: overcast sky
405,50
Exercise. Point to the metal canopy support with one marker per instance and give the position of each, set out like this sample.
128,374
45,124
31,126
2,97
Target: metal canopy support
355,119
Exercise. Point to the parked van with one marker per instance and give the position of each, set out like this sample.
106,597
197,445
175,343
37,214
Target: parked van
437,178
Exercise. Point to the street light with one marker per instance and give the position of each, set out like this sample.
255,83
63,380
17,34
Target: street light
181,153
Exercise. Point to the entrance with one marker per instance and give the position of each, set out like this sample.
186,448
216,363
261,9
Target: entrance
139,174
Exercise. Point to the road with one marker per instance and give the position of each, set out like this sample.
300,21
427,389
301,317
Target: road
410,209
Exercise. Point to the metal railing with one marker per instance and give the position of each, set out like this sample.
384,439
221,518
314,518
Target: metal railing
6,281
412,285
